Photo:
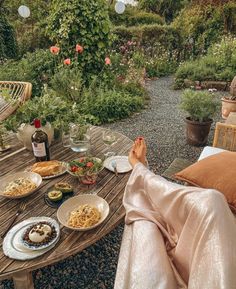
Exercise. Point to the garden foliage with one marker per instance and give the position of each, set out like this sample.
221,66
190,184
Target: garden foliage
86,23
218,64
8,44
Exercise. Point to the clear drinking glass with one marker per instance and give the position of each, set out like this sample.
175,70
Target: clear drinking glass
80,138
109,138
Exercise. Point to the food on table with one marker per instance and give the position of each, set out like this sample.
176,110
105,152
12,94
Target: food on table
85,166
64,187
40,143
48,168
83,217
55,195
40,234
19,187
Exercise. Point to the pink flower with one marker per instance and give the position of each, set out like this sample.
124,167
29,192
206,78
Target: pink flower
67,61
79,48
129,43
54,50
107,61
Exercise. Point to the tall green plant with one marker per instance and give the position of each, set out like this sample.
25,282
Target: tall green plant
81,22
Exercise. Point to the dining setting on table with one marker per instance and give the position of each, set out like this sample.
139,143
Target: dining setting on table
53,208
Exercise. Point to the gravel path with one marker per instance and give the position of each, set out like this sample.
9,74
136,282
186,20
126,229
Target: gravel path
161,123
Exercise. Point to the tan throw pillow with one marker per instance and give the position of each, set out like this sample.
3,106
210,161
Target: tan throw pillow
215,172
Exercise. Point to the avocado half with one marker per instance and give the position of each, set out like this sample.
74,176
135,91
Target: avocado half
64,187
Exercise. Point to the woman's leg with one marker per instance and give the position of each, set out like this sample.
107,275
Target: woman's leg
204,227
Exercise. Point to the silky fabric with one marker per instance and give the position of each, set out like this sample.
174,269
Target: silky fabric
175,236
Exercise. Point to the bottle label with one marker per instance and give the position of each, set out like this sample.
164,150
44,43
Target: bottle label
39,149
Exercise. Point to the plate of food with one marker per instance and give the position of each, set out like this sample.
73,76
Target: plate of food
13,246
121,163
83,212
40,235
49,169
58,193
19,185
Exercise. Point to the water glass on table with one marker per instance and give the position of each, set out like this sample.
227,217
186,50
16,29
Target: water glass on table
109,138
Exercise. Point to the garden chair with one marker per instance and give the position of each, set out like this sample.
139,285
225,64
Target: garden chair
224,139
19,92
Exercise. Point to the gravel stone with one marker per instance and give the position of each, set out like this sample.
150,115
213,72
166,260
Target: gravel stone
162,125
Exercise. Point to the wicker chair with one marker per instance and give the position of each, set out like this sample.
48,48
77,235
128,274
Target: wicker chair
19,92
225,136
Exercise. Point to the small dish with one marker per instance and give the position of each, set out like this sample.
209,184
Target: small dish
86,169
122,164
63,213
35,178
57,204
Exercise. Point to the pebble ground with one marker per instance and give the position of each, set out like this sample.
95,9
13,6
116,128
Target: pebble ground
162,125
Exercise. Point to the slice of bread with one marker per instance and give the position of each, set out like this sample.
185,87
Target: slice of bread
47,168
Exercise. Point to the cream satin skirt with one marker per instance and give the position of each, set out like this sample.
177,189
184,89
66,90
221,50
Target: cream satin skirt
175,236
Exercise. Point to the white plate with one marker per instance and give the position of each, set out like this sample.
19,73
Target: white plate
63,171
63,213
123,165
12,243
4,181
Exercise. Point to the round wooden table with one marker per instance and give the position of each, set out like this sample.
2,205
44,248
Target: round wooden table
108,186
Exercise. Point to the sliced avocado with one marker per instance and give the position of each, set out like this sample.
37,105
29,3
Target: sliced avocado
55,195
64,187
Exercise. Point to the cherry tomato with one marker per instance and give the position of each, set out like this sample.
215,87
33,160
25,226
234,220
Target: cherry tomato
74,169
89,164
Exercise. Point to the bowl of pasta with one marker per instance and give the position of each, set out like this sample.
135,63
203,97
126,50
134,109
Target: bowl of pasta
83,212
19,185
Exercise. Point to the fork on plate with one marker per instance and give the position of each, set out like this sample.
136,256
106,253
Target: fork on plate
20,210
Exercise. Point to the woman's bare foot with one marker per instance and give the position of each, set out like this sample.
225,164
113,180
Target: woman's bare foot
138,152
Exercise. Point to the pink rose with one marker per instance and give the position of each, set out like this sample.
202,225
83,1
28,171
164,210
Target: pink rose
54,50
107,61
67,61
79,48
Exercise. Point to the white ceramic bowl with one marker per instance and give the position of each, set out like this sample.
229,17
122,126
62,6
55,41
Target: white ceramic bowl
63,213
4,181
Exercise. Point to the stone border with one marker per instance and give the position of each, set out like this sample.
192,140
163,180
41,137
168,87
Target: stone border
207,84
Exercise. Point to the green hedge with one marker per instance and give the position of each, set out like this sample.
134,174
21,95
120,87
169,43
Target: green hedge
149,35
132,17
8,44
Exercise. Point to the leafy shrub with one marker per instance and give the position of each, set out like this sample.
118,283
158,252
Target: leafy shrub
200,105
36,67
108,105
202,25
134,17
218,64
167,8
83,22
8,44
67,83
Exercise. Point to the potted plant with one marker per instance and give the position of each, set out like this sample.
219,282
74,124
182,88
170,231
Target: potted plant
53,111
201,107
229,102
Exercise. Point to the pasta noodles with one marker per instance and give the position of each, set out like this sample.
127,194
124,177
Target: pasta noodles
85,216
19,187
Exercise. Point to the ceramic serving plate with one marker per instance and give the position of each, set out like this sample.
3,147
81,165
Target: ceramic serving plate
63,213
122,164
12,243
63,170
4,181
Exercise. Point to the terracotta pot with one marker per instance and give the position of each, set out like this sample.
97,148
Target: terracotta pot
197,132
228,106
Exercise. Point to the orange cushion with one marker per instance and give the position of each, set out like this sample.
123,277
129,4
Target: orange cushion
215,172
